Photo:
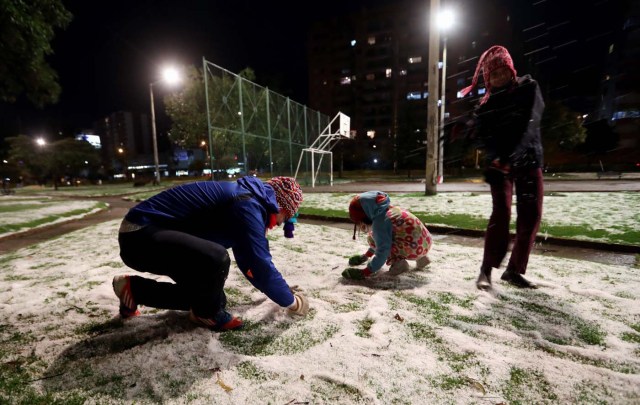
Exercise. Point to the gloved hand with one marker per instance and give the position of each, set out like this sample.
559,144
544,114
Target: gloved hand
300,305
357,260
288,229
353,273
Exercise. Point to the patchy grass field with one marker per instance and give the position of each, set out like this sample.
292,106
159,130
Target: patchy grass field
23,213
423,337
602,217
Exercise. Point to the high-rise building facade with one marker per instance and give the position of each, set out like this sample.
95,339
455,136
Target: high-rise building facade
372,66
126,140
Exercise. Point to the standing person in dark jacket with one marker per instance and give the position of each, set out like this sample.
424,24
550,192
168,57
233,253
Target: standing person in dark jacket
184,233
508,124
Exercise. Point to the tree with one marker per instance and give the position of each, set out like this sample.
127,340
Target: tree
601,139
188,112
562,130
66,157
26,31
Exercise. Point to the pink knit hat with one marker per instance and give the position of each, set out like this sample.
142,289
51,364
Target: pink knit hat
288,194
493,58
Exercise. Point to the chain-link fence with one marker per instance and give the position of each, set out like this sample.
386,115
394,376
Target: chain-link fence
256,129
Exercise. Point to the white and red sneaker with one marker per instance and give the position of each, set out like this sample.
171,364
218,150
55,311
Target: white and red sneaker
122,288
223,321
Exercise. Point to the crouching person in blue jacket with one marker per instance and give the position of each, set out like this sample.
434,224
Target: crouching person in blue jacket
184,233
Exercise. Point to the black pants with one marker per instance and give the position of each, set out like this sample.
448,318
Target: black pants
529,195
199,268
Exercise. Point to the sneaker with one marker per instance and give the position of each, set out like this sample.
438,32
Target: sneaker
517,280
399,267
223,321
122,288
484,278
423,262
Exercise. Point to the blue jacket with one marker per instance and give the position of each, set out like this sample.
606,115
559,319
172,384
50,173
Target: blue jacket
375,205
232,214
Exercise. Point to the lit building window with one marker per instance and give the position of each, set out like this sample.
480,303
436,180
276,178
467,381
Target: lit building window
345,80
413,95
371,76
619,115
481,91
371,133
415,59
387,72
403,72
425,94
440,65
371,40
353,42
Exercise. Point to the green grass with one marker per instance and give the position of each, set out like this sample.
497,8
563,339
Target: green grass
525,384
363,327
7,208
630,337
628,237
93,190
18,370
465,221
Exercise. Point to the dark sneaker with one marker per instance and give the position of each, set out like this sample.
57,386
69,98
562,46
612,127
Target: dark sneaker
484,279
122,288
517,280
223,321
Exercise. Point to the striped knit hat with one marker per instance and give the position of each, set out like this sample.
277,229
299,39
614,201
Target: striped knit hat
493,58
288,194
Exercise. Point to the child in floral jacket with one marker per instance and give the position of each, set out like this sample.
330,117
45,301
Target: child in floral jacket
395,236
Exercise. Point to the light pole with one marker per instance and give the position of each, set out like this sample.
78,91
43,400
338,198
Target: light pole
171,76
445,22
430,182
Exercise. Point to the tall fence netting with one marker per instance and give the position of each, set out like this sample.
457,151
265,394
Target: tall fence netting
258,130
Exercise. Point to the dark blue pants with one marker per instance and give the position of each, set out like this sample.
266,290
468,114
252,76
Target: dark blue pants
529,195
198,267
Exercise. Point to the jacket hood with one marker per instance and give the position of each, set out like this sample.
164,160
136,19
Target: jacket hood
374,203
262,192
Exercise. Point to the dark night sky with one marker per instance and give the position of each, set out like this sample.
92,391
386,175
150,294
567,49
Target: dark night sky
112,50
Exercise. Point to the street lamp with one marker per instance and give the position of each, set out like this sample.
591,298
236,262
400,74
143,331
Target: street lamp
41,142
445,22
171,76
